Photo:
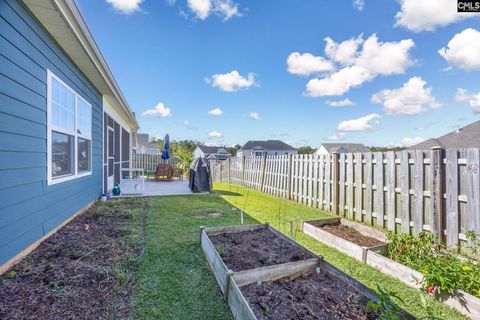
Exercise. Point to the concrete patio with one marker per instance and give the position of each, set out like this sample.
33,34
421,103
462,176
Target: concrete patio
166,188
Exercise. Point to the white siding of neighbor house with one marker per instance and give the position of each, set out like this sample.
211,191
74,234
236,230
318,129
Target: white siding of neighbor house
197,153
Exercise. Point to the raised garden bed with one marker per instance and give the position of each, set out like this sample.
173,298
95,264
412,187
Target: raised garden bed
346,236
266,275
356,244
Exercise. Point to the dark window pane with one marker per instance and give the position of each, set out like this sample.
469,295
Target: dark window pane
62,154
110,143
83,150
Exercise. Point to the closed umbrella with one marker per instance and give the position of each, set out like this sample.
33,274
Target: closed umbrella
166,148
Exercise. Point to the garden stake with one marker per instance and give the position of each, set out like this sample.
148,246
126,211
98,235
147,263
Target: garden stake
291,229
241,216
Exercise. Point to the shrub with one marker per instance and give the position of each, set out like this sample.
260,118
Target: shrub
443,272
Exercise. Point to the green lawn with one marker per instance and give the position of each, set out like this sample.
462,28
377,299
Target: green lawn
174,281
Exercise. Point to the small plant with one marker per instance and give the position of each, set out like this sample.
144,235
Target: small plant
474,240
58,286
12,275
442,271
387,308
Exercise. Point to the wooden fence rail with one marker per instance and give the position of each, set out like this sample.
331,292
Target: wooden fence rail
409,191
149,162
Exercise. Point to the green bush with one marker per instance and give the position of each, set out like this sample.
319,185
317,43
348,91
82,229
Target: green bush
443,272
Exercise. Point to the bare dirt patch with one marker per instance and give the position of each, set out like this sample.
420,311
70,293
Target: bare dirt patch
351,235
308,296
84,271
255,249
207,214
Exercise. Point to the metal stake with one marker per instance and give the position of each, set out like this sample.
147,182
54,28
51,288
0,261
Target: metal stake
291,230
241,216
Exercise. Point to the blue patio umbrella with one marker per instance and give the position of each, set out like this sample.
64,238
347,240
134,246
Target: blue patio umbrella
166,148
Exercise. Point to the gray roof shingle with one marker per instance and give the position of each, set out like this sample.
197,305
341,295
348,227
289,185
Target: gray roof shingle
349,147
268,145
466,137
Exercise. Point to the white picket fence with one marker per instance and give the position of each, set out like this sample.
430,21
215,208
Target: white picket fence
409,191
149,162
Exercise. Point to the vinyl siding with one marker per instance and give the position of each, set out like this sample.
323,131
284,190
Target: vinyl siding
29,208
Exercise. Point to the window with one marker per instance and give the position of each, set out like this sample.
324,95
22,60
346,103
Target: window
69,132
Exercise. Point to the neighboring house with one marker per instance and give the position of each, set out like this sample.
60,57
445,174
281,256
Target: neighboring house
269,147
65,129
211,153
466,137
144,146
330,148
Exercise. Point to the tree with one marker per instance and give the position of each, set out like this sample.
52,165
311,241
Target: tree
306,150
233,149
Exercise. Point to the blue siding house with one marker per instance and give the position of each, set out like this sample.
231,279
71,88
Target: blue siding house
65,127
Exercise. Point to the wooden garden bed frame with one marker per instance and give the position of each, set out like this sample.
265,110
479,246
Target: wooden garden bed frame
230,282
464,302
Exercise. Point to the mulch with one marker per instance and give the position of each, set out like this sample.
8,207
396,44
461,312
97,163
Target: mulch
72,274
351,235
255,249
305,297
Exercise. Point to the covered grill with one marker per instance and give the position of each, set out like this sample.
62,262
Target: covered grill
200,177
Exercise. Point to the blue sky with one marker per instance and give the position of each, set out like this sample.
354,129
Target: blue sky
268,68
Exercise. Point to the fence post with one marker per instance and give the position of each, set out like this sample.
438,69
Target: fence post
262,172
436,190
289,177
228,168
243,170
335,183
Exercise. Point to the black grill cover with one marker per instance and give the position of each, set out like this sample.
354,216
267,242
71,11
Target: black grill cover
200,178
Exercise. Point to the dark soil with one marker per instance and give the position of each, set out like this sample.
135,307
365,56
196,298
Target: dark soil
84,271
309,296
351,235
255,249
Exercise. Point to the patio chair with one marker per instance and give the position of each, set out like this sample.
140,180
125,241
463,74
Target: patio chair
164,172
178,172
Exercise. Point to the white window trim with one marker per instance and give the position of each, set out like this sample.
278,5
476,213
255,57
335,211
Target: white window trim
51,127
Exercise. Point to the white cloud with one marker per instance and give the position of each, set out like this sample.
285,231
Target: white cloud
215,134
345,52
408,141
385,58
232,81
305,64
226,9
254,116
159,111
361,124
473,99
427,15
201,8
362,61
358,4
340,103
463,50
223,8
408,100
339,82
337,136
125,6
189,125
215,112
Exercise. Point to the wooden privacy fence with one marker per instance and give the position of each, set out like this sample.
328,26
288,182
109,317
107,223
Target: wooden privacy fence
409,191
149,162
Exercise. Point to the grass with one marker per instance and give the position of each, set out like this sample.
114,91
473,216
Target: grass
265,208
174,280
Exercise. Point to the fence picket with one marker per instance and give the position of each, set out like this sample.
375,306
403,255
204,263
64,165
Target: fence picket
473,192
341,193
451,169
359,187
379,176
391,191
350,185
418,192
405,195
